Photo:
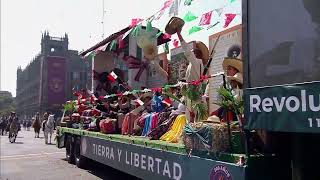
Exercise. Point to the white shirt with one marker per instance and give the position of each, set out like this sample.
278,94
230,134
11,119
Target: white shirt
195,67
152,77
157,77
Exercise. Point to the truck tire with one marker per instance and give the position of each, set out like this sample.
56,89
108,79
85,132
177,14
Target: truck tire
80,160
70,149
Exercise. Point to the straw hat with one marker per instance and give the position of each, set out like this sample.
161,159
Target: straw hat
204,51
146,38
150,51
145,95
237,77
212,119
234,62
173,25
148,43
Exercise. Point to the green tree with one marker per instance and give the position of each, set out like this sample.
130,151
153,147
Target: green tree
7,103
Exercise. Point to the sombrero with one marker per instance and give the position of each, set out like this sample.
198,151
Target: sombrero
212,119
146,39
204,51
173,25
150,51
237,77
234,62
145,95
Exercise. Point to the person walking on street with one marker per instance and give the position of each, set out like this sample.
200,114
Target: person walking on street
36,125
3,125
14,127
6,127
44,120
24,123
28,124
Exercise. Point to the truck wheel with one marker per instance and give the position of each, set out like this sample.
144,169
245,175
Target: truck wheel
79,159
69,150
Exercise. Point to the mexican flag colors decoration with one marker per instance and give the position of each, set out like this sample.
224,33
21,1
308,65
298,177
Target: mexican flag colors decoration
112,77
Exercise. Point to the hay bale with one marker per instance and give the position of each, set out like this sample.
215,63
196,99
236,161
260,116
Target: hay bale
218,132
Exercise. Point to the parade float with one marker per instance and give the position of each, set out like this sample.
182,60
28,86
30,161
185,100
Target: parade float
145,116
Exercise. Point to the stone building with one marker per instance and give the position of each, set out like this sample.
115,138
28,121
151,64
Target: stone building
47,81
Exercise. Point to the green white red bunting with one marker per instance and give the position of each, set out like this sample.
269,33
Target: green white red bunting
205,18
112,77
173,6
139,102
179,84
229,18
195,29
189,17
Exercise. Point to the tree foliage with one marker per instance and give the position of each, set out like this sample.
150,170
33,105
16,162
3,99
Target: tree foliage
7,103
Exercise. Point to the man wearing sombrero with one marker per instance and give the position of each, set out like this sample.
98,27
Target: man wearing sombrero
156,75
236,84
233,68
197,58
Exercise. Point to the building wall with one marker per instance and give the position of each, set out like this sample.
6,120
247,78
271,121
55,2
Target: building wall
32,82
28,87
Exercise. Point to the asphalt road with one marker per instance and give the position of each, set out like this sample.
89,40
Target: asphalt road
31,159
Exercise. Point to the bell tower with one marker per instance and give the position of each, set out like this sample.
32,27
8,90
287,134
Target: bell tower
54,46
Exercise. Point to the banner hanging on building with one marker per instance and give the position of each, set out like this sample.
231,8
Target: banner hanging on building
56,77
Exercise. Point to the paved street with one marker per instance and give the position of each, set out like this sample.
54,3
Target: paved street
30,158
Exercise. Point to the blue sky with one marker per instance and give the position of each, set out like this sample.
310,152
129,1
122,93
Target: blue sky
22,23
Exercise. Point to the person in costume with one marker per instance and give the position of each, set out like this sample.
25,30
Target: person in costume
236,84
3,125
44,120
197,58
233,68
36,124
143,105
14,125
157,76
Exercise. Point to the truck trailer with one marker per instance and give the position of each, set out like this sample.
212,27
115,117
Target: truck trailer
281,55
